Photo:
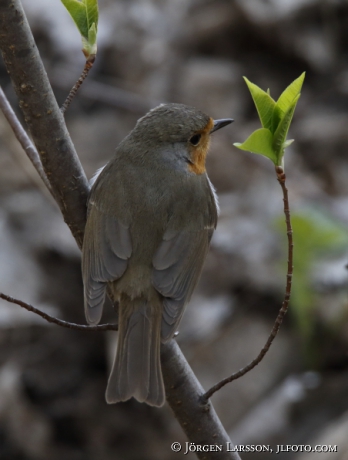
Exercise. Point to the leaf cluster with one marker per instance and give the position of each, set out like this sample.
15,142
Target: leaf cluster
275,117
85,14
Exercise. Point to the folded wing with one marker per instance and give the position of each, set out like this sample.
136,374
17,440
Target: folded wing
106,249
177,265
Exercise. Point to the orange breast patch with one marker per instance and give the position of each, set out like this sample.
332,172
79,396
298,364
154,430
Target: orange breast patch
198,153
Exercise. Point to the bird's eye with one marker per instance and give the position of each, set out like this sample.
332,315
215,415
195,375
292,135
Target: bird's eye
194,140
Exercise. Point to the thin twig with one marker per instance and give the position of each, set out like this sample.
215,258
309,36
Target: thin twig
23,137
284,308
106,93
59,322
88,65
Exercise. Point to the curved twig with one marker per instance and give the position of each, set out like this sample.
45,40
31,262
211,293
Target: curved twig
59,322
23,138
284,308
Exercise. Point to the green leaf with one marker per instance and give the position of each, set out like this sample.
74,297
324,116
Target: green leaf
264,104
279,139
260,142
77,11
287,143
92,35
85,15
90,45
290,93
92,13
286,99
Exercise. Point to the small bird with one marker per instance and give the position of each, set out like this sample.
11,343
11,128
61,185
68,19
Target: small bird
151,215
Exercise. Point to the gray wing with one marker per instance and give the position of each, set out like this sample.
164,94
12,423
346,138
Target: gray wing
178,263
106,249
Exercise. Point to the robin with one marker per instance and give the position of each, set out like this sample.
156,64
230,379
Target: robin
151,214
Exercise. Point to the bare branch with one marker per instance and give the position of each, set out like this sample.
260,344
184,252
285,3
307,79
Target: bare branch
59,322
23,137
88,65
184,395
43,117
284,308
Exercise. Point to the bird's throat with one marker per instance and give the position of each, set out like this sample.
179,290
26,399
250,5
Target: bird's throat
198,154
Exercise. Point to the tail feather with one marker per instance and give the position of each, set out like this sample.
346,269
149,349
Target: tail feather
137,369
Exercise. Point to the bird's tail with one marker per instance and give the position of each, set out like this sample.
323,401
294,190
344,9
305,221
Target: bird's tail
137,369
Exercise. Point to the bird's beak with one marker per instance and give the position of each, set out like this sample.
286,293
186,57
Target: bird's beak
221,123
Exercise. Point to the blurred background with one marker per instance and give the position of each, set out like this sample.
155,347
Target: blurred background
52,381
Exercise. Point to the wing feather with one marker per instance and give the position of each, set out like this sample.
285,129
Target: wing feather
106,249
177,267
178,261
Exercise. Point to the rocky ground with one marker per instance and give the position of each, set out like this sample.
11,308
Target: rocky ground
52,381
